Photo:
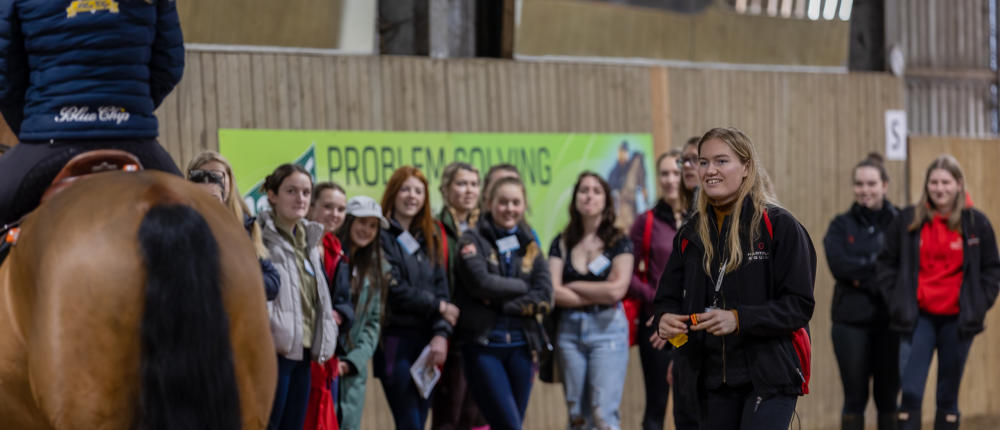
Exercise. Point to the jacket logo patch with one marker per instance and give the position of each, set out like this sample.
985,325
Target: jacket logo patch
759,255
92,6
850,238
114,114
973,241
956,245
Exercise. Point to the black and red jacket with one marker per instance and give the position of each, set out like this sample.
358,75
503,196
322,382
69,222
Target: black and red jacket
899,266
772,291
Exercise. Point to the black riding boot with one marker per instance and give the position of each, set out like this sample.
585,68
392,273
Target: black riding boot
887,421
852,422
943,421
908,420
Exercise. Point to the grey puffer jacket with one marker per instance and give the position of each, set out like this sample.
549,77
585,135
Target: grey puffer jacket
286,310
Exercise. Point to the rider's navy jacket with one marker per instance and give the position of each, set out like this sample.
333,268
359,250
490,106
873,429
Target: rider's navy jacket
87,69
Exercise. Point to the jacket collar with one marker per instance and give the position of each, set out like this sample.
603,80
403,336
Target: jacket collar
664,212
447,217
314,230
491,233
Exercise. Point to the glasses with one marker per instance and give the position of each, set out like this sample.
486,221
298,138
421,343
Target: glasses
205,177
691,160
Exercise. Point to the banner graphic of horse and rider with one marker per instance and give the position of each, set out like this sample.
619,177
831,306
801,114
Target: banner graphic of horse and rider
363,161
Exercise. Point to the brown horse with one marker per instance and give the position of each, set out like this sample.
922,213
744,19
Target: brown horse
134,300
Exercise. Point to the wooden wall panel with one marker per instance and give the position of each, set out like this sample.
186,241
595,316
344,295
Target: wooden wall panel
810,128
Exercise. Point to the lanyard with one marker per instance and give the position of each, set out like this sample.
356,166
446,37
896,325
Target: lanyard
718,284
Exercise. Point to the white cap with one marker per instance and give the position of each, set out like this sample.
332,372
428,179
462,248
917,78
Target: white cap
364,206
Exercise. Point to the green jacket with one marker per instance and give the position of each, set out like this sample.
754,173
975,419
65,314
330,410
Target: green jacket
451,230
360,346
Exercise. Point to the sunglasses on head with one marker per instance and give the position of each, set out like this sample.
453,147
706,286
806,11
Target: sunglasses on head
205,177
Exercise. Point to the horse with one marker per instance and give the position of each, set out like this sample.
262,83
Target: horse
134,300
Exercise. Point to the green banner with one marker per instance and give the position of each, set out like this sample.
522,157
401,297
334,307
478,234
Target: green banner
363,161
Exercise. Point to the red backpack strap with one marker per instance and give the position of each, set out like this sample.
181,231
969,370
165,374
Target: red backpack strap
444,244
647,240
767,222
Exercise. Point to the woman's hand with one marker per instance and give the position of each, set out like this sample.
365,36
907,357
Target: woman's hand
655,339
343,368
671,325
718,322
449,312
439,350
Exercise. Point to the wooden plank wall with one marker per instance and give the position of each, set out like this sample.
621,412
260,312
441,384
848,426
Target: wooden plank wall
980,394
811,129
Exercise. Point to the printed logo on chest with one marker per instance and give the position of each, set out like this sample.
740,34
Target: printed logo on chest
759,253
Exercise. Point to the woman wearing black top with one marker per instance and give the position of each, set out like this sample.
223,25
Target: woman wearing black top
504,289
418,310
591,264
865,347
739,284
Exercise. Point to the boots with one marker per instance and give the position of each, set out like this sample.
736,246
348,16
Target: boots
852,422
945,421
887,421
908,420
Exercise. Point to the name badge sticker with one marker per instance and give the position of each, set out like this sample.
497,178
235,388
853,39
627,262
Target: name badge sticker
309,269
599,265
409,244
508,244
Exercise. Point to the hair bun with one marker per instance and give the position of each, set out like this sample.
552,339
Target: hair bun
876,158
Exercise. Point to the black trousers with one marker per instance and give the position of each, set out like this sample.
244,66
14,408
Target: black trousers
654,372
27,169
740,408
867,356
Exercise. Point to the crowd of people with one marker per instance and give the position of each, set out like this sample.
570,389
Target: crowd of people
720,275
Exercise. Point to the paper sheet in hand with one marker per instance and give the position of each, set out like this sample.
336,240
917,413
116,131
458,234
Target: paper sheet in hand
425,374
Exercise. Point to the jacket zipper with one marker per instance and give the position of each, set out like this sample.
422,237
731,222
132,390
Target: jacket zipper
723,344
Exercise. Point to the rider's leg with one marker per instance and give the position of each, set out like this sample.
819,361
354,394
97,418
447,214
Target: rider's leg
27,169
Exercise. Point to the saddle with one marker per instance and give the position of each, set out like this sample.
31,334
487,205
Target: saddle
87,163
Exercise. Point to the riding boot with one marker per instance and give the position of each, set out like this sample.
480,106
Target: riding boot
908,420
887,421
945,421
852,422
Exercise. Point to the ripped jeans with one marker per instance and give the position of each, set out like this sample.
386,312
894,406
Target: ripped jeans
593,354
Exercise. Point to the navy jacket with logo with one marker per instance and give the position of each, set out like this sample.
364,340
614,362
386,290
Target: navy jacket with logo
417,286
772,291
87,69
852,245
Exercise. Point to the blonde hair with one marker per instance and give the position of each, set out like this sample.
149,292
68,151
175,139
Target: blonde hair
232,200
922,211
756,185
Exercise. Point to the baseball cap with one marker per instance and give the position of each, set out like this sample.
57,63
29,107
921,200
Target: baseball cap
364,206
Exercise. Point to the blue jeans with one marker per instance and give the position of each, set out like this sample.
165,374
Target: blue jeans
292,396
504,371
739,408
933,332
867,353
593,354
392,362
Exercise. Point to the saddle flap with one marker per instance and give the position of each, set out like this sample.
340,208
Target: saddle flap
90,162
